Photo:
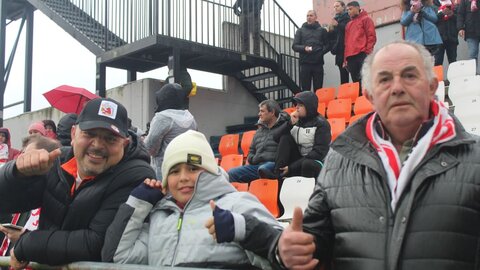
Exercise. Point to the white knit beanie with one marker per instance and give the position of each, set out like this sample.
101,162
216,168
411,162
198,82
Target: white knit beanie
192,148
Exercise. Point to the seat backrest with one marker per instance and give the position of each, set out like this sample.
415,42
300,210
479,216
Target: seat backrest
247,139
240,186
337,126
355,118
228,144
463,86
466,110
340,108
325,94
321,108
290,110
266,190
440,93
461,68
362,106
349,90
438,70
295,192
231,161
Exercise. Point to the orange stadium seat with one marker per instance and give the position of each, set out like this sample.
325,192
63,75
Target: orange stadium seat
266,190
290,110
362,106
240,186
325,94
355,118
340,108
321,108
228,144
247,139
439,72
337,126
349,90
231,161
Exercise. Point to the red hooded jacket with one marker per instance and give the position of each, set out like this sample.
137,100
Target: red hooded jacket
360,35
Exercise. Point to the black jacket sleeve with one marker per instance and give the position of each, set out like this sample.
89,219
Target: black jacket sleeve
19,194
115,231
321,145
260,237
297,42
461,15
281,130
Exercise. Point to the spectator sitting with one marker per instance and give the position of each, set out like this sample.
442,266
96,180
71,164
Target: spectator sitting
175,234
79,188
171,119
64,129
37,128
304,141
261,155
50,128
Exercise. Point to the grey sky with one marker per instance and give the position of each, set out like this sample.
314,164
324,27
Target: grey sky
59,59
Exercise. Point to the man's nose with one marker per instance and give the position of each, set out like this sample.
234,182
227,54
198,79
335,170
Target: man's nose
397,86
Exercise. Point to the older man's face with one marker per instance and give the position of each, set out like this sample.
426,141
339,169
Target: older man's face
401,92
96,150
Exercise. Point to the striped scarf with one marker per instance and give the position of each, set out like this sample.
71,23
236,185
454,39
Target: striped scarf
398,174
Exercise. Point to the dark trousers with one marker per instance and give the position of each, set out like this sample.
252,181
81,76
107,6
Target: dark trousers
250,23
450,48
344,76
354,66
309,73
289,155
435,52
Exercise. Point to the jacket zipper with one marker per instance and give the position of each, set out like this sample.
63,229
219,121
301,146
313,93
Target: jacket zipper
179,231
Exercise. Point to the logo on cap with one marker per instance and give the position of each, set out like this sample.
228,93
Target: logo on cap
193,159
108,109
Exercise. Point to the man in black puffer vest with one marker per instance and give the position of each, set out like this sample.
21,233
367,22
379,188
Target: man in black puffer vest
311,42
78,188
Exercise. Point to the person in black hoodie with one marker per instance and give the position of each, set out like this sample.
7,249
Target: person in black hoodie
64,128
311,42
447,26
304,141
79,188
336,32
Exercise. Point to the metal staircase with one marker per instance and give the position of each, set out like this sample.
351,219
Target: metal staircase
141,35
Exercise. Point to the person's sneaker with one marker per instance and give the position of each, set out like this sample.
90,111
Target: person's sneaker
265,173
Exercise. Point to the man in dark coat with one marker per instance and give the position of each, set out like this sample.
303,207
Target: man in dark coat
311,42
468,21
78,188
336,31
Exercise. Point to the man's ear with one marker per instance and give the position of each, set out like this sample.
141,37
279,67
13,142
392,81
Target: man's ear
126,141
433,87
72,134
367,95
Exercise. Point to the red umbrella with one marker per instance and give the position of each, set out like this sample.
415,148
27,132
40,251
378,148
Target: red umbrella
69,99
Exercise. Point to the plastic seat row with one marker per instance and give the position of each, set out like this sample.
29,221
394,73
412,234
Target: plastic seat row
295,191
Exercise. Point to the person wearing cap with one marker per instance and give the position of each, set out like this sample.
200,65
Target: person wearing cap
303,142
37,128
79,188
171,119
175,233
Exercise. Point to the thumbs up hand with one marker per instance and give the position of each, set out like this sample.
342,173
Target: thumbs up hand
221,225
36,161
295,247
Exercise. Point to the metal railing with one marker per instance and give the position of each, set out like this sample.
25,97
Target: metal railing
5,262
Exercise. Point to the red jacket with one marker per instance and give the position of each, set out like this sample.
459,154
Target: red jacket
360,35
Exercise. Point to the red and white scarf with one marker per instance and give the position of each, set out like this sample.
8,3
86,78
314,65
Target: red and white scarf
442,130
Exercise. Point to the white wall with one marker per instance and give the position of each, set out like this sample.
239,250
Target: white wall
213,109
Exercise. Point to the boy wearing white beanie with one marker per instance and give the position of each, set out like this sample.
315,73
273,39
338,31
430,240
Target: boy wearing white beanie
175,233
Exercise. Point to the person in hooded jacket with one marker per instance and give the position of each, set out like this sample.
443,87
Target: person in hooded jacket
311,42
12,152
171,119
304,141
175,233
64,128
